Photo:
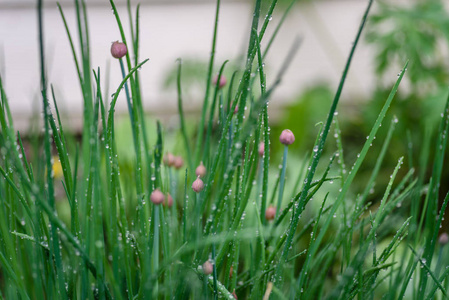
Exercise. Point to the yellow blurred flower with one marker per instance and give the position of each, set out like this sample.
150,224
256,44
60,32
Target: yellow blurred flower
57,168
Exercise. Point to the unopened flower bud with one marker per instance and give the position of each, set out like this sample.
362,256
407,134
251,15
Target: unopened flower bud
168,201
270,213
200,170
443,239
157,197
261,148
118,49
198,185
287,137
221,82
169,159
178,163
208,268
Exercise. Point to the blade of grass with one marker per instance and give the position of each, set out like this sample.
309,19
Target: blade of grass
181,117
434,187
427,269
321,144
199,140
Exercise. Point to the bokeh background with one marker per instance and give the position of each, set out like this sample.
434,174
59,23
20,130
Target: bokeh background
397,31
172,29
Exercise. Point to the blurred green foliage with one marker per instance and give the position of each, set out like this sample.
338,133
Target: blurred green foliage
417,31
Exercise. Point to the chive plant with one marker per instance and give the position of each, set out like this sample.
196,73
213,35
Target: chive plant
218,233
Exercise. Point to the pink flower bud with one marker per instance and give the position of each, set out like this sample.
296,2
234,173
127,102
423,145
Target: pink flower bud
157,197
168,201
221,83
443,239
169,159
270,213
287,137
200,170
208,268
198,185
261,148
118,49
178,162
234,294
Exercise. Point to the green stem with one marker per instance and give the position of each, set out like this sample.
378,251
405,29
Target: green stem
156,246
214,273
199,141
282,181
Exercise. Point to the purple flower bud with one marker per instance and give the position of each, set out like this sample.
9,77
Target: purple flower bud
157,197
178,163
200,170
221,82
443,239
169,159
261,148
198,185
118,49
208,268
287,137
168,202
270,213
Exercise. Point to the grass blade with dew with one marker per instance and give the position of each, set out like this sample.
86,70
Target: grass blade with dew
434,187
305,268
59,139
371,181
430,245
199,141
372,273
54,239
358,163
383,151
245,131
85,83
206,144
135,85
359,257
135,112
109,143
429,271
314,164
266,136
244,134
316,185
244,86
181,117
